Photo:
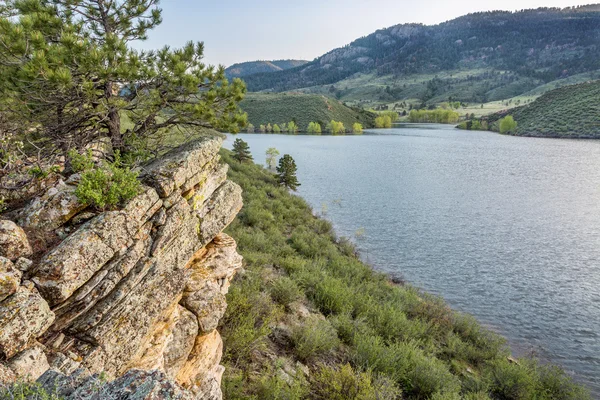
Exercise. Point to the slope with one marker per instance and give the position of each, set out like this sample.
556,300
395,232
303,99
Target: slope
527,48
277,108
570,111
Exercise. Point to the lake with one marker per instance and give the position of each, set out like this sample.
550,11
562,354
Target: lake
504,228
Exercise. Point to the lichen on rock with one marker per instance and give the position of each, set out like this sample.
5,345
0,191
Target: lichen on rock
135,294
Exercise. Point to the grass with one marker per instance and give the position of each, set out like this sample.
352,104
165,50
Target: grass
570,112
309,320
280,108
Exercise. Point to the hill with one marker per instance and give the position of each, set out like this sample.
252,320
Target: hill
485,56
254,67
570,111
277,108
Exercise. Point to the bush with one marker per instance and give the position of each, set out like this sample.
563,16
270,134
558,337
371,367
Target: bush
357,128
343,383
383,121
285,291
107,186
81,162
273,386
314,338
508,125
26,391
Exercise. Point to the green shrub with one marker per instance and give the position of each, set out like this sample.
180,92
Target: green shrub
508,125
316,337
81,162
285,291
343,383
511,381
273,386
26,391
108,185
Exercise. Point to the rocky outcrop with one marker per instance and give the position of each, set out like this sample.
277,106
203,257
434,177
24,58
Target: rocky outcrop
134,294
13,241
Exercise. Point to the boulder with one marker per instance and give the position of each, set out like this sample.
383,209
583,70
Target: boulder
24,316
29,364
10,278
13,241
212,271
7,375
180,166
53,209
134,385
219,211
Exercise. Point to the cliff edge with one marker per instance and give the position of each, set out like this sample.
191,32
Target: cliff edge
122,302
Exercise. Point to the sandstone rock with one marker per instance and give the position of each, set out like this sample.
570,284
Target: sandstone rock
29,364
211,273
7,376
53,209
202,365
182,342
220,210
178,166
13,241
23,264
72,263
10,278
24,316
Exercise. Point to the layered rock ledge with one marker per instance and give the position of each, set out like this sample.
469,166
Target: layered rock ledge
130,294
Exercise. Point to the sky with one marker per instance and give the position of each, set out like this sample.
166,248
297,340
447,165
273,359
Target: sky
247,30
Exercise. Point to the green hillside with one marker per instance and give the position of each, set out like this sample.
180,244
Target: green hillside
278,108
570,111
479,57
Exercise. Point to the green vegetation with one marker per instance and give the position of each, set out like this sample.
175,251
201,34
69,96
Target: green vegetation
357,128
306,298
241,151
383,121
292,128
314,128
508,125
569,111
286,172
106,186
272,153
302,109
26,391
336,127
521,49
439,116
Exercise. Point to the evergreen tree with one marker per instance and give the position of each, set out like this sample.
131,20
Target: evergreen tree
241,151
286,172
69,76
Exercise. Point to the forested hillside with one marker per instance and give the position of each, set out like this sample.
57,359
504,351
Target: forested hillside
529,48
255,67
571,111
279,108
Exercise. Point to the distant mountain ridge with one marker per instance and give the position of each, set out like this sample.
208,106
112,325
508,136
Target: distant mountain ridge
544,44
253,67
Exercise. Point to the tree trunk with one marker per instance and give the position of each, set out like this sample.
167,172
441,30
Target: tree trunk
114,120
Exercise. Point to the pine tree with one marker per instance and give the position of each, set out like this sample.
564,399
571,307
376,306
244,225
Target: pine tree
286,172
68,73
241,151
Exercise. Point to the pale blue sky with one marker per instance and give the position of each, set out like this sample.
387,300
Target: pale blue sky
246,30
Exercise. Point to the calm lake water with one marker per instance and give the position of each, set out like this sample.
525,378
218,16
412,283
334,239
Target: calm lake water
504,228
